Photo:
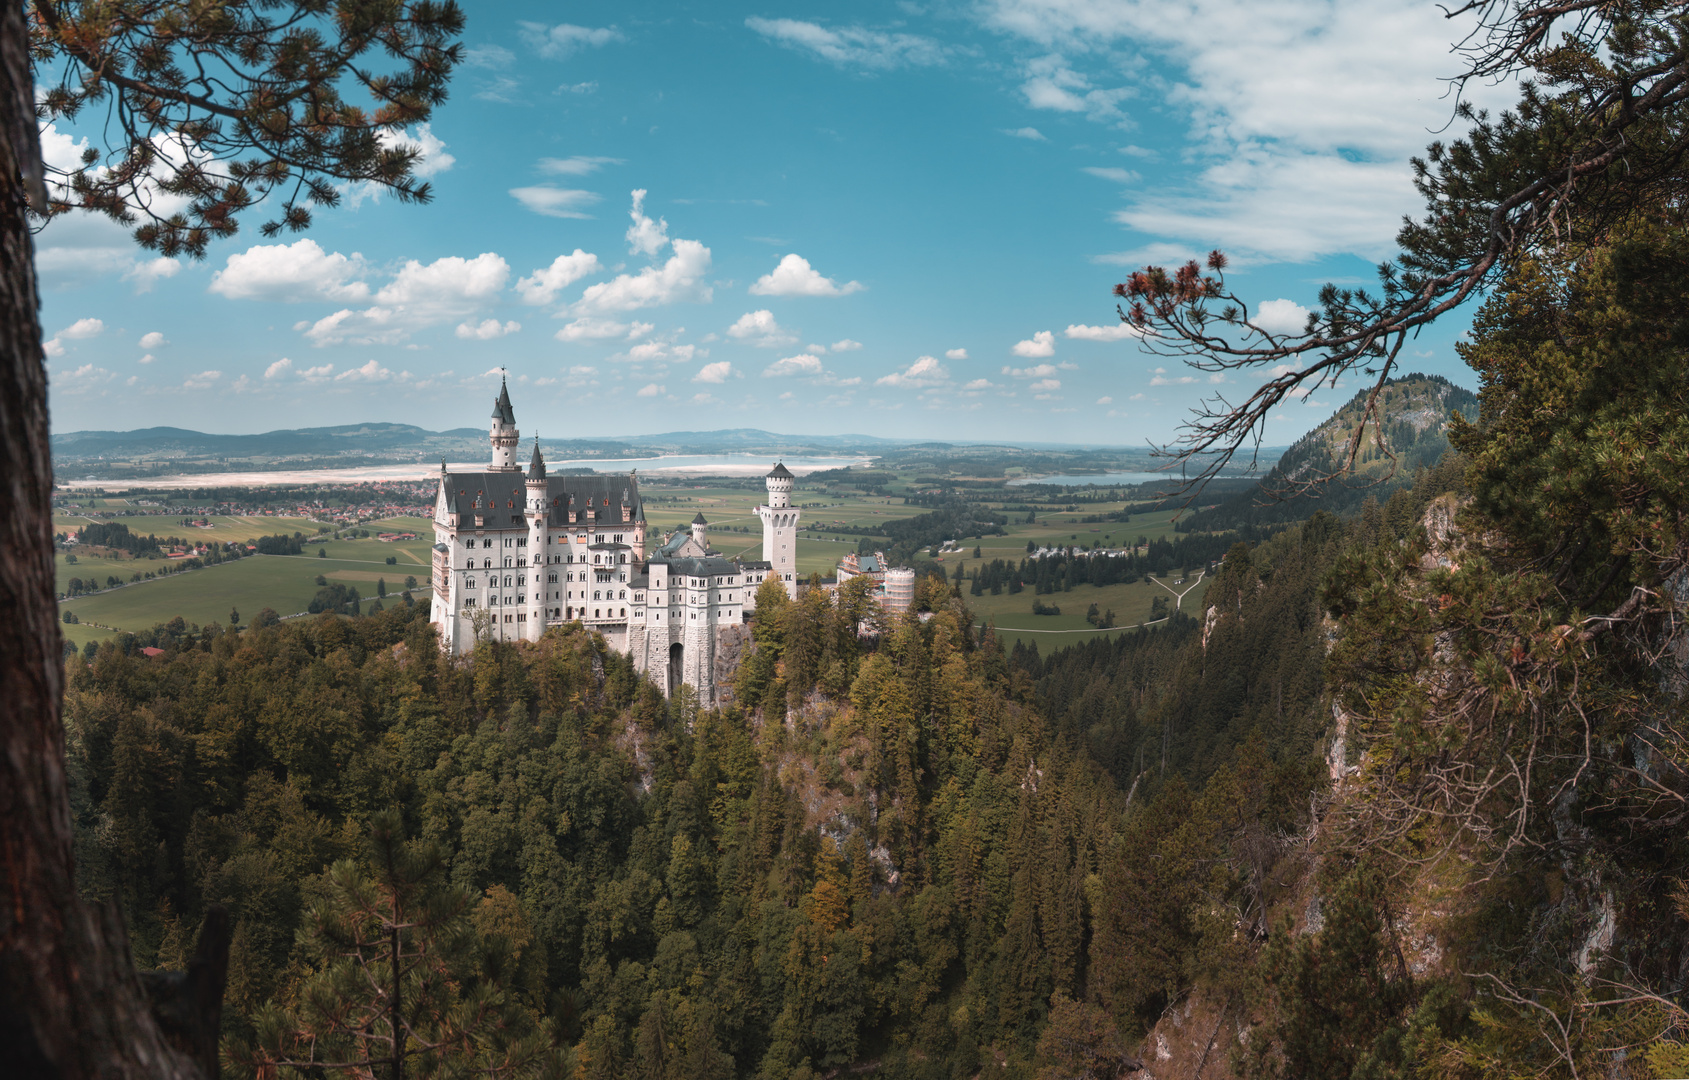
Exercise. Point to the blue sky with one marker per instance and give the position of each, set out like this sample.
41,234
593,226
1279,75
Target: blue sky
905,223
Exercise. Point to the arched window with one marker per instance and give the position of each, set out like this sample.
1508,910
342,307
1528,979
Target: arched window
552,578
469,584
624,595
486,564
507,583
595,595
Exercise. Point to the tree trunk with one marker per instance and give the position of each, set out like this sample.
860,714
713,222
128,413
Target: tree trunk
71,1006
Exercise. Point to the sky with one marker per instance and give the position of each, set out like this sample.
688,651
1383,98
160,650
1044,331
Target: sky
904,222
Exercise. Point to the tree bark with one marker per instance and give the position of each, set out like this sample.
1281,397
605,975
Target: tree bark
71,1006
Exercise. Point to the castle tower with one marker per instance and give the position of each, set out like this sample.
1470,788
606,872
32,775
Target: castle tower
538,572
701,531
780,528
504,435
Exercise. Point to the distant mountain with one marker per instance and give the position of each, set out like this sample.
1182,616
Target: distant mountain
1413,415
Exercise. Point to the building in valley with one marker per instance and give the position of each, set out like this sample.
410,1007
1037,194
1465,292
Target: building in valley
515,553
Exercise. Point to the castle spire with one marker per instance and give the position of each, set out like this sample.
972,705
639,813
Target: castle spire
536,464
501,406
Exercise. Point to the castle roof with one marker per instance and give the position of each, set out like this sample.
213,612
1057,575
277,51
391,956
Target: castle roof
501,406
779,472
499,498
699,520
536,464
710,566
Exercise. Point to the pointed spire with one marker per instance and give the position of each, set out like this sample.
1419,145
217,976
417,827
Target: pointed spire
501,407
536,464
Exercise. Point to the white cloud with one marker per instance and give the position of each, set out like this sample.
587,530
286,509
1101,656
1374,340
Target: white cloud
663,352
645,236
152,340
577,165
432,158
487,330
1045,385
290,273
1119,176
1162,380
542,286
795,277
204,380
1116,332
1043,343
846,345
1105,400
82,328
818,350
147,359
372,371
851,45
555,202
760,328
955,354
557,42
925,371
650,390
1281,317
278,369
681,278
1038,371
718,372
979,384
1051,84
800,365
600,329
419,295
495,57
147,274
1300,126
1027,133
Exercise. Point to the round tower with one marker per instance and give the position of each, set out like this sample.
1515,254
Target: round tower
538,513
780,528
701,531
504,435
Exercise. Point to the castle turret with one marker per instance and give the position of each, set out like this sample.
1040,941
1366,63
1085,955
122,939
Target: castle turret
780,528
539,572
701,531
504,434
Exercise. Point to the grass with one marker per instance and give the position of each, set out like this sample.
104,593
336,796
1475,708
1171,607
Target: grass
1130,604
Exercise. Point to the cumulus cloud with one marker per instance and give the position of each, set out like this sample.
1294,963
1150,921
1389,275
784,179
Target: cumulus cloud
578,165
1162,380
431,156
1051,84
680,278
1281,317
650,390
80,329
1038,371
543,285
662,351
645,236
718,372
853,46
1027,133
1105,400
760,328
278,369
147,359
486,330
847,345
557,42
1117,332
976,385
801,365
290,273
955,354
152,340
203,380
1043,343
1045,385
600,329
147,274
555,201
419,295
372,371
795,277
925,371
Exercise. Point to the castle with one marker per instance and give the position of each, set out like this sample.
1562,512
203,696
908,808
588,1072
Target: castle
515,553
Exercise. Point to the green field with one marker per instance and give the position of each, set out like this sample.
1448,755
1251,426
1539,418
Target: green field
288,584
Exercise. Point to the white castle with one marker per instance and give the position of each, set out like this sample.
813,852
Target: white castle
514,554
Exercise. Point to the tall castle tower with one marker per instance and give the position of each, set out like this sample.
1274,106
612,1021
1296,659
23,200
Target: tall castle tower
504,433
780,528
539,511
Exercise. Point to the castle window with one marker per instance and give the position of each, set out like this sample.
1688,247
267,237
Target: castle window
469,602
521,616
595,595
551,578
486,564
521,541
507,583
507,561
492,601
488,542
624,595
624,613
617,538
469,584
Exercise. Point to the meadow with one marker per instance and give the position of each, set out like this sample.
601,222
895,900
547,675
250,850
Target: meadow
288,583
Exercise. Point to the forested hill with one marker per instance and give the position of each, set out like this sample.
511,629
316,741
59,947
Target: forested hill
1413,424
